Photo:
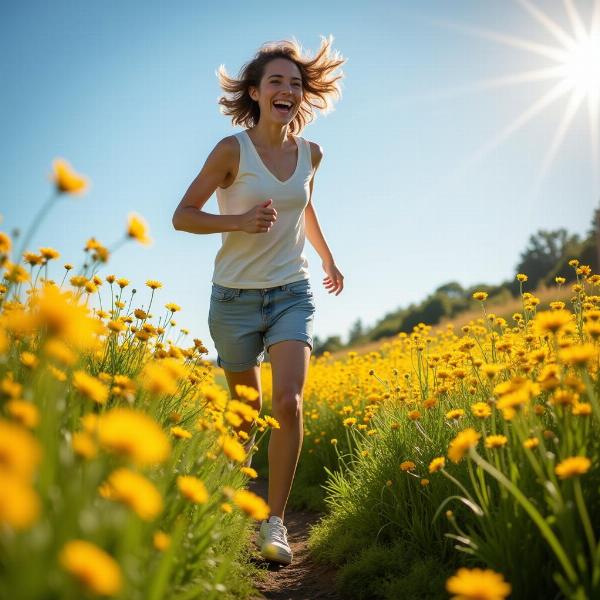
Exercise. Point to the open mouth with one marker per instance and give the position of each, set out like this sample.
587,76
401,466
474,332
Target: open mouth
282,107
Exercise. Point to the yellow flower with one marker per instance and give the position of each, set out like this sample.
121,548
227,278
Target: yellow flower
158,379
481,296
455,413
478,584
579,355
83,445
249,471
461,443
20,452
481,410
414,415
251,504
5,243
232,448
59,351
437,464
96,570
495,441
551,321
573,466
582,409
521,277
245,392
349,421
137,229
29,360
271,422
161,540
133,434
531,443
153,284
19,503
193,489
135,491
172,307
407,465
180,432
24,412
424,482
90,387
66,180
226,507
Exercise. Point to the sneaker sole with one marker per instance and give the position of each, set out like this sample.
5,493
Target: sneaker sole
271,552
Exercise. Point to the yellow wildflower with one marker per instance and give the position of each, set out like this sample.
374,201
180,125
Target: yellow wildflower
477,584
461,443
455,413
531,443
407,465
83,445
573,466
232,448
90,387
24,412
133,434
135,491
161,541
249,471
251,504
481,410
19,503
96,570
137,229
66,180
20,452
437,464
193,489
153,284
495,441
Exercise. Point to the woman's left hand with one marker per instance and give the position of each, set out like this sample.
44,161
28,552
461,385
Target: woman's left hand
334,282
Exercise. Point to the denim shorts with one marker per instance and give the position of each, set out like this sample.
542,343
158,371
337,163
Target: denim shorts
243,322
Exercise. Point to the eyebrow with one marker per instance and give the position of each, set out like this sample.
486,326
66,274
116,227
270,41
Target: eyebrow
275,75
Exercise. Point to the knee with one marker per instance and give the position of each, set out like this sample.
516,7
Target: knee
287,405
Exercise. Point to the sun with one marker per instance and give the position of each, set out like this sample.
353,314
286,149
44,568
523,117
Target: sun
582,66
573,55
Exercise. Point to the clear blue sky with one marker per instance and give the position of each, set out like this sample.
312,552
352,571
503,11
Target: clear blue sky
127,92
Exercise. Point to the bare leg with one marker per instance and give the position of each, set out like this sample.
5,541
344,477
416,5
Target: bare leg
251,378
289,366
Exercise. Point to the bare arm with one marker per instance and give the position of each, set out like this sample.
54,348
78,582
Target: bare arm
188,216
334,280
313,229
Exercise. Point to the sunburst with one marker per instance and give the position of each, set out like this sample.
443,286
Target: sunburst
574,55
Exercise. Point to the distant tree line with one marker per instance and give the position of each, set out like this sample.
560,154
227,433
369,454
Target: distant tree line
545,257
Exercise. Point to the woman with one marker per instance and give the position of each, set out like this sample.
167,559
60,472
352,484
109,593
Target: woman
261,294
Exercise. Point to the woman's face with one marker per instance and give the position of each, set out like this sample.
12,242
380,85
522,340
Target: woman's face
280,91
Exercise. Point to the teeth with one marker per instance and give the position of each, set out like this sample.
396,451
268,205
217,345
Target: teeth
288,104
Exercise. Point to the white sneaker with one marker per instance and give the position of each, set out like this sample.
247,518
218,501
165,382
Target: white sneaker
272,539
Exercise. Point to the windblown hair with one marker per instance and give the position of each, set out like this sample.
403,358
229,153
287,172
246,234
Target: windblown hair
319,82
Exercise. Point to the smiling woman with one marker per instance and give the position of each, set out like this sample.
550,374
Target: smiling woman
261,297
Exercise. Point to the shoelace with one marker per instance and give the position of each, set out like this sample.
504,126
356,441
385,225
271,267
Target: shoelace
278,532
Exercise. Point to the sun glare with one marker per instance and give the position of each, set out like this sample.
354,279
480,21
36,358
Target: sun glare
582,66
572,64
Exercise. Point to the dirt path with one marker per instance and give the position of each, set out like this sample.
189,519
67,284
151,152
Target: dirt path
303,579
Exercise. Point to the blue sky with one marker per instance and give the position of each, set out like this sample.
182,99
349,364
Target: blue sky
127,92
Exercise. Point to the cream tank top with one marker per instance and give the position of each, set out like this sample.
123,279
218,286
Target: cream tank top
271,258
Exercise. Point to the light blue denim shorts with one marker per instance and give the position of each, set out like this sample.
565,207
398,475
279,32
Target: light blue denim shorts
243,322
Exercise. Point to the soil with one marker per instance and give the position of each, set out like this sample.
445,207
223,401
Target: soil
303,579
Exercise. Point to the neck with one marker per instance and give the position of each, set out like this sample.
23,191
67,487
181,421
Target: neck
271,135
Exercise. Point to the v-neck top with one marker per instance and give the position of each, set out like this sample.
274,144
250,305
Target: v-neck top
275,257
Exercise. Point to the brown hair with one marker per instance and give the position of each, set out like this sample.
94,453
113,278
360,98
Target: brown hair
319,82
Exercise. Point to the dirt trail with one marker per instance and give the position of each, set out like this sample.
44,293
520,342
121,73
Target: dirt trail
303,579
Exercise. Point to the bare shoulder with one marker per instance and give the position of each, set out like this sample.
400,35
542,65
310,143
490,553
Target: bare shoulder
226,154
316,153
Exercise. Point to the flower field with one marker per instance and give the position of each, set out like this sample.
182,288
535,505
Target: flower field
450,464
121,465
463,463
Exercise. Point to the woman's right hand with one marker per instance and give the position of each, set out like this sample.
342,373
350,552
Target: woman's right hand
259,219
